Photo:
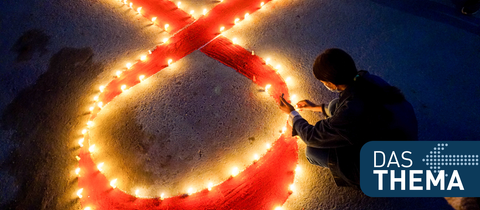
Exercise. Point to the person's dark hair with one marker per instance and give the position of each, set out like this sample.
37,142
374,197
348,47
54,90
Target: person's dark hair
335,66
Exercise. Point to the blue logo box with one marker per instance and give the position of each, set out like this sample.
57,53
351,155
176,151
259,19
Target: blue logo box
420,169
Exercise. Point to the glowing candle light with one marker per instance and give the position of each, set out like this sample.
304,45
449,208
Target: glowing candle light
267,87
124,1
80,142
91,108
166,26
204,11
165,40
162,196
278,208
288,79
178,4
292,187
192,11
267,60
84,131
100,104
88,208
78,158
222,28
284,129
235,171
154,18
236,20
143,58
234,40
269,146
141,77
139,9
99,167
261,4
278,67
77,171
129,65
102,88
90,123
256,157
246,15
79,193
210,185
298,169
136,192
293,97
95,98
170,61
123,87
190,191
150,52
118,73
113,183
253,52
131,4
91,148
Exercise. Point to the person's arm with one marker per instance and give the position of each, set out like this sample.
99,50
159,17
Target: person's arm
332,132
308,105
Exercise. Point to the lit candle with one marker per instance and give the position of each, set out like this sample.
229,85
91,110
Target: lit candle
267,60
100,104
204,11
88,208
256,157
165,40
113,183
166,26
79,193
298,169
269,146
288,79
124,1
143,58
292,187
293,97
99,166
95,98
141,77
267,87
261,4
210,185
192,11
77,171
284,129
234,40
154,18
150,52
278,208
169,62
78,158
222,28
124,87
80,142
246,15
131,4
91,108
190,191
129,65
235,171
139,9
236,20
90,123
101,88
136,192
91,148
162,196
178,4
253,52
278,67
84,131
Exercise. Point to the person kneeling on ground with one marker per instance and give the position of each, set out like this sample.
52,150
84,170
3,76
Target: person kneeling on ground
368,109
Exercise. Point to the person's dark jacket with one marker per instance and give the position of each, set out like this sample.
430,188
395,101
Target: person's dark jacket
368,109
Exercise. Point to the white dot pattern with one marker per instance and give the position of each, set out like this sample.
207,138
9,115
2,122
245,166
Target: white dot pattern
436,159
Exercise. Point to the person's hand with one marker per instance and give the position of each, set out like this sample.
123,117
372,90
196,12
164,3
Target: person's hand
285,106
307,105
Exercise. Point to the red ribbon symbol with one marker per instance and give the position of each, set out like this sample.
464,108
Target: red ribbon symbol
262,185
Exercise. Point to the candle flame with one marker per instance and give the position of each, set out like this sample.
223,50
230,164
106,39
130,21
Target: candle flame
80,142
113,183
143,58
100,104
210,185
190,191
79,193
91,148
101,88
99,167
124,87
166,26
235,171
236,20
77,171
170,61
141,77
129,65
222,28
154,18
139,9
204,11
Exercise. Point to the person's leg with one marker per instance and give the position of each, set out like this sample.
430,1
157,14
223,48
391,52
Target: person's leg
471,7
330,109
317,156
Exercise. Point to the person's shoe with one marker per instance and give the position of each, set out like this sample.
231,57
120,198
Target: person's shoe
466,12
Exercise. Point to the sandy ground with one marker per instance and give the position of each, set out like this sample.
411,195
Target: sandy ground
191,122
